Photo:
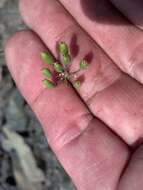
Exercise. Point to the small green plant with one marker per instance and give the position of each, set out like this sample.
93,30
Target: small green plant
61,70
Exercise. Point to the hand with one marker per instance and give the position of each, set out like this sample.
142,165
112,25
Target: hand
97,132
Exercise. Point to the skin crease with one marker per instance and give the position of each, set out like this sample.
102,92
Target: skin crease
101,159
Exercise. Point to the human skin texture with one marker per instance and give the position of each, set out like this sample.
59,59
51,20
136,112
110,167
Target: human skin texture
95,131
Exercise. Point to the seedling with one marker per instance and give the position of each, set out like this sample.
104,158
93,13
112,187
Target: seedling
61,68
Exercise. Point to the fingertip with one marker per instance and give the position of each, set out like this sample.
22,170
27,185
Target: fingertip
22,52
18,36
13,44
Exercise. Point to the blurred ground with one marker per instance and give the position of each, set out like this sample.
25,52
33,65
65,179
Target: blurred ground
26,160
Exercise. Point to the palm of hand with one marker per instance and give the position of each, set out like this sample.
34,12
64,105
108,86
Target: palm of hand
91,131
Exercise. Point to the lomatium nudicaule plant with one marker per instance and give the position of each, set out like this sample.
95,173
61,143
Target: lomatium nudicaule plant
60,72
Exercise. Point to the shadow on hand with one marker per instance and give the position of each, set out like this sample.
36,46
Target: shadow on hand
103,11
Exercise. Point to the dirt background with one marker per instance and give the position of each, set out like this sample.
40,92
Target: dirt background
26,160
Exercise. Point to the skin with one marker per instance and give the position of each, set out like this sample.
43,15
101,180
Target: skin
95,131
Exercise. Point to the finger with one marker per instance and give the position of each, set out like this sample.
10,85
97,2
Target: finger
122,41
84,145
132,10
133,176
111,95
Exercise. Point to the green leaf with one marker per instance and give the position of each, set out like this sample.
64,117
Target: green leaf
47,73
58,67
63,48
48,84
47,58
84,64
66,60
77,84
